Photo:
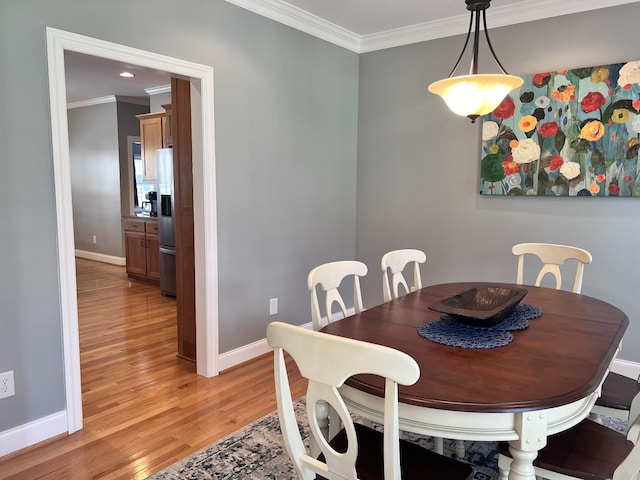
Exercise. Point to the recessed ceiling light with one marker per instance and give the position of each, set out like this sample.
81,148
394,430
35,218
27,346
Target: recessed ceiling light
127,75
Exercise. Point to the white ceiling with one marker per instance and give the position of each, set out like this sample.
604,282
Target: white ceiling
92,79
358,25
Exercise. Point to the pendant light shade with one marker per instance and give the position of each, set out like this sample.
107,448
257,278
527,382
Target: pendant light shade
475,94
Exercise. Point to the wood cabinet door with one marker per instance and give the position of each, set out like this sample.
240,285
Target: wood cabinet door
136,252
167,131
151,137
153,257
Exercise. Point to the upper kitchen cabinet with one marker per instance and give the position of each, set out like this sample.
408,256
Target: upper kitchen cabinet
166,128
155,133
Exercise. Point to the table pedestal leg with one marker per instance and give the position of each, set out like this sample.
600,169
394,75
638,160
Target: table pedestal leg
322,411
532,429
522,464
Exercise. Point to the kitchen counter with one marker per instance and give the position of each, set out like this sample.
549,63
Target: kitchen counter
142,215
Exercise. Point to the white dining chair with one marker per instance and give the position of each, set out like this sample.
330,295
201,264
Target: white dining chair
328,278
357,451
394,285
618,396
587,451
394,263
552,257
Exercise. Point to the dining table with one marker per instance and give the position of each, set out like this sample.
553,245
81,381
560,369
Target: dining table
544,381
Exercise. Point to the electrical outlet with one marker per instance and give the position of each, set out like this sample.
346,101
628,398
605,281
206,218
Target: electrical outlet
273,306
7,388
94,239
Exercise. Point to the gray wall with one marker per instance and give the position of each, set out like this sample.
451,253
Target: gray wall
98,156
418,167
95,177
286,133
156,101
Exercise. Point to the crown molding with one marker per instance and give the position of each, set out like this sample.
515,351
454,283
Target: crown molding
522,12
108,99
301,20
525,11
157,90
91,101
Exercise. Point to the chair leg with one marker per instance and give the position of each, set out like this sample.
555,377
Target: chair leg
504,465
460,450
366,422
438,445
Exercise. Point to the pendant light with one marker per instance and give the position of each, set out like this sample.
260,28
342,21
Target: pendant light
475,94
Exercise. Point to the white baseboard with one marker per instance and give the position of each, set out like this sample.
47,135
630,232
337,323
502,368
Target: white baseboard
34,432
101,257
246,353
626,368
255,349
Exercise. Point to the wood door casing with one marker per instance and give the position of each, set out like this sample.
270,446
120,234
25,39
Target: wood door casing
183,217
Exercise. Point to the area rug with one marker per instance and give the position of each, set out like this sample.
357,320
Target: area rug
257,452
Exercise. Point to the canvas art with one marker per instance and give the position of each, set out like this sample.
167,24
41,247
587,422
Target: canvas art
566,133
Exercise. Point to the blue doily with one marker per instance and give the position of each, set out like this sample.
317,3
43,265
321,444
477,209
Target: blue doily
519,318
448,331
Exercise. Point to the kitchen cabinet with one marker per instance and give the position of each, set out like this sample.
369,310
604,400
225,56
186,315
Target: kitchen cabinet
167,128
142,248
155,133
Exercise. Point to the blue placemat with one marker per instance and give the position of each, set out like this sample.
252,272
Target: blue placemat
448,331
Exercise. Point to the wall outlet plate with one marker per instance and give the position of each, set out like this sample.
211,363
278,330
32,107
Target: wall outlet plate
7,387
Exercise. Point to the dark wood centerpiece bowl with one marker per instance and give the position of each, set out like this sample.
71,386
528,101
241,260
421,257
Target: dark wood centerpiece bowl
484,306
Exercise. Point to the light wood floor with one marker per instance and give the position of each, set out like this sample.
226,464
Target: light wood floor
143,407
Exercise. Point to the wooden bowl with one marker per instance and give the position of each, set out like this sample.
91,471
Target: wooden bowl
484,306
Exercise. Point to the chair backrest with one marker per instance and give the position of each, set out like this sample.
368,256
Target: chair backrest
395,262
327,361
552,256
329,276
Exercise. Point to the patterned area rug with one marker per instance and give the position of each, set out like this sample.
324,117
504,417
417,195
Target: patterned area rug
257,452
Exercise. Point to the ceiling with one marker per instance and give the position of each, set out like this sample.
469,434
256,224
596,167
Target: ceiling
358,25
93,79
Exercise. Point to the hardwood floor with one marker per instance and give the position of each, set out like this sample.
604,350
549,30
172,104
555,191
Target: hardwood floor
144,408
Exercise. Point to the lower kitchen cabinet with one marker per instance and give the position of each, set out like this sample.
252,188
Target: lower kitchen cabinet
142,248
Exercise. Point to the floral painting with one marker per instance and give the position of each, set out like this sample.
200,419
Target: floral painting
566,133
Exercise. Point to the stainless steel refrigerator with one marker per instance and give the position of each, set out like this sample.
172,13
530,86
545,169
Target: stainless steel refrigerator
166,226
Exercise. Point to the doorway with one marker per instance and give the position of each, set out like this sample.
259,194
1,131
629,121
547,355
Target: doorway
205,221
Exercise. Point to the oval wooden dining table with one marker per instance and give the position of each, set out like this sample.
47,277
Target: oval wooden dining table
543,382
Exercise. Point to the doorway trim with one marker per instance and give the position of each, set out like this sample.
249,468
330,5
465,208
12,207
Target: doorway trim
205,214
